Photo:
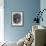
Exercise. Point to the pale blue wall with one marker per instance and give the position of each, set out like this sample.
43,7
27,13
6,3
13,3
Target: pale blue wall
29,7
43,6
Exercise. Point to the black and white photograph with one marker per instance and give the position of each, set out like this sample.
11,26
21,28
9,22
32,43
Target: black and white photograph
17,18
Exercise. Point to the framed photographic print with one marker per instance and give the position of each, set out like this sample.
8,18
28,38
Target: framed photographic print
17,18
